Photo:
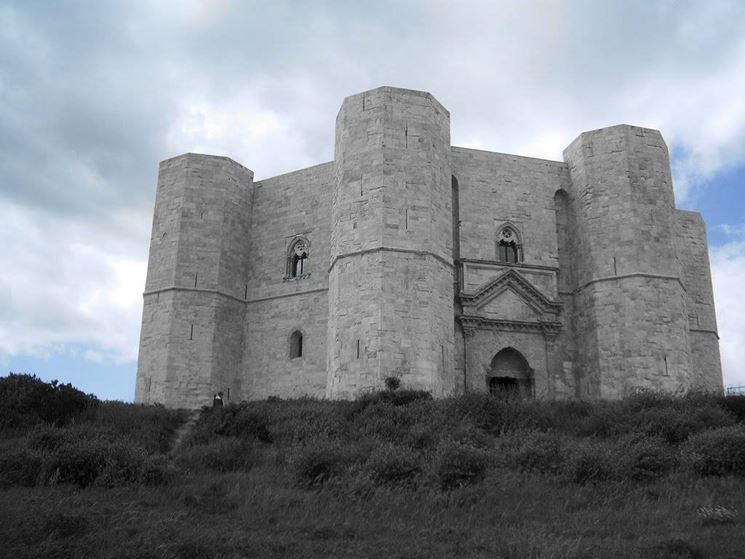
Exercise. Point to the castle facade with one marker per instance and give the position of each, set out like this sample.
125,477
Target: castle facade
454,269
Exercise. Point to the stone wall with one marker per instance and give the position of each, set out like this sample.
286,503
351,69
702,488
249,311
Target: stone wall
391,279
693,254
629,305
286,207
191,337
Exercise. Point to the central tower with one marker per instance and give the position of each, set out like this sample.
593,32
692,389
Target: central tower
391,266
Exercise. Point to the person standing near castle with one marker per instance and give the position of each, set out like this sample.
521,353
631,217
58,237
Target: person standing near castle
217,400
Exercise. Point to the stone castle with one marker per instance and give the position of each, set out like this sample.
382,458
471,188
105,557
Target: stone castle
453,269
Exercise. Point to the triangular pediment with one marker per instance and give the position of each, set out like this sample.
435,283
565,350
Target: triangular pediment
511,293
508,304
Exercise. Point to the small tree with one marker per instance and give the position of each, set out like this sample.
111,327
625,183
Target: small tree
392,383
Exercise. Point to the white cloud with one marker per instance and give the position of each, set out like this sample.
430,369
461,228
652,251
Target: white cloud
63,289
728,272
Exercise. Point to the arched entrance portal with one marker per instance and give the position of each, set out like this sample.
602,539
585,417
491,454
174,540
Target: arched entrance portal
510,374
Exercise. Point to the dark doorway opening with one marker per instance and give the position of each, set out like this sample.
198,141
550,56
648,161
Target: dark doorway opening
510,375
503,385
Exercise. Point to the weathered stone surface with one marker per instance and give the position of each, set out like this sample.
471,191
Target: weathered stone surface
611,291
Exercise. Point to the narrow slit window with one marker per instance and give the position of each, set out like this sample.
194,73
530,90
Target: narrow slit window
296,344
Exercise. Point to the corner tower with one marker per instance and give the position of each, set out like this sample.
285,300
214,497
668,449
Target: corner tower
629,298
191,343
391,268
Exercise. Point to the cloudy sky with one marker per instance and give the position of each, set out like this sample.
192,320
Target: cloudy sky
94,93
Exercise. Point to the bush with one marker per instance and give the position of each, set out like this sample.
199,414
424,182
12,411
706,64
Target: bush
79,462
718,452
110,464
645,460
539,452
390,465
20,467
126,464
233,420
26,400
734,405
316,465
457,465
481,410
676,425
590,463
221,455
392,397
392,383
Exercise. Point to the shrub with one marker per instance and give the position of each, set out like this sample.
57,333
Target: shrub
221,455
65,525
734,405
676,425
20,467
26,400
316,465
674,548
392,383
393,465
645,460
127,464
110,464
590,463
539,452
79,462
482,410
422,436
457,465
718,452
392,397
233,420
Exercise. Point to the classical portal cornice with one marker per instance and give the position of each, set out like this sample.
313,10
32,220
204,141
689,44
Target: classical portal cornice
473,323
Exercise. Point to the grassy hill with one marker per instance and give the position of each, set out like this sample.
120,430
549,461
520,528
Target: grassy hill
395,474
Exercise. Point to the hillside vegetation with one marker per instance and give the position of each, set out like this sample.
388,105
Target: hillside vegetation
394,474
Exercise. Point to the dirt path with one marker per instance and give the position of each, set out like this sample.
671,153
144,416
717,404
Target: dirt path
183,431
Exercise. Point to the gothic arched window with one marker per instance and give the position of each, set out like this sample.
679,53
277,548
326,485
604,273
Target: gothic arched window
298,258
508,245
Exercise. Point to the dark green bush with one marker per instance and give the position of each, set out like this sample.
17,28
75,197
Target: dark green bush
646,459
539,452
26,400
127,464
390,465
481,410
734,405
79,462
676,424
392,397
83,462
718,452
457,465
65,525
20,467
233,420
590,462
220,455
421,436
392,383
316,465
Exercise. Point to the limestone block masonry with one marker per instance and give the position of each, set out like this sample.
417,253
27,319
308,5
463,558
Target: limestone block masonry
455,270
